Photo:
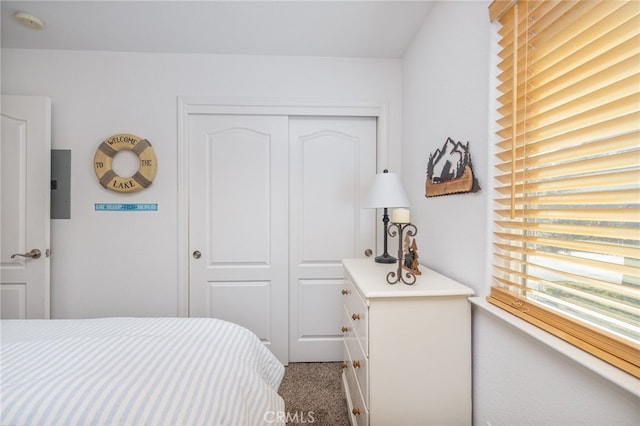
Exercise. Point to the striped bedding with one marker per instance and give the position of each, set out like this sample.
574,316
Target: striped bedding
136,371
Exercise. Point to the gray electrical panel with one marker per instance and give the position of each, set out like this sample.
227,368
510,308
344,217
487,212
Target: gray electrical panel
60,184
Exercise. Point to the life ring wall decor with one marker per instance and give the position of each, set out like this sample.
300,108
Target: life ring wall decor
103,161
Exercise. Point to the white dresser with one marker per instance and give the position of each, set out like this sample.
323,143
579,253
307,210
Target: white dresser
407,348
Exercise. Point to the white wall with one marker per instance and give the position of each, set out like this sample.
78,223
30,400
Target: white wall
446,81
445,95
125,263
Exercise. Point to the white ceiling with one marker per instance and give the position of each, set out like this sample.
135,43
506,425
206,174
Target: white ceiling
307,28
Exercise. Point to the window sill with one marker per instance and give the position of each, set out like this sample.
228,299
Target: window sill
609,372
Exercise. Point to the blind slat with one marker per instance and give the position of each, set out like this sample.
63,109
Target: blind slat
605,267
606,180
606,197
613,288
605,87
553,125
530,169
583,25
498,7
629,215
575,44
583,111
564,149
623,57
542,288
616,76
627,124
576,245
579,230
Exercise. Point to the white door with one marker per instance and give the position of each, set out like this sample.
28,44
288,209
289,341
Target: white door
238,223
25,158
332,163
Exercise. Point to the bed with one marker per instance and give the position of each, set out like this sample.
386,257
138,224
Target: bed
136,371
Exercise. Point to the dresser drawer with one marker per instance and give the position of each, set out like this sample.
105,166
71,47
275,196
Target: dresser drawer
359,362
358,313
348,331
358,411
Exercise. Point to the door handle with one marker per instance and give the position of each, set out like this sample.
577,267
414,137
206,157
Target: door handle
197,254
33,254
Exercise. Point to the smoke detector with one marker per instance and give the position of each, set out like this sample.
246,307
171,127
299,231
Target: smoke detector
29,21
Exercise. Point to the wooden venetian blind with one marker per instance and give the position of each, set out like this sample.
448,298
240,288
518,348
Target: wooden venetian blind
567,206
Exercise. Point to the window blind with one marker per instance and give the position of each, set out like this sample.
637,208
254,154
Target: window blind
567,194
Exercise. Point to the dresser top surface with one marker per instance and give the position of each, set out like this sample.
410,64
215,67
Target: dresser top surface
372,281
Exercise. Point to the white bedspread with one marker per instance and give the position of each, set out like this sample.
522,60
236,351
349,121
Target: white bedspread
136,371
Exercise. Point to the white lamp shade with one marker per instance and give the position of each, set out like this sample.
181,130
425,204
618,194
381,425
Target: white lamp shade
386,191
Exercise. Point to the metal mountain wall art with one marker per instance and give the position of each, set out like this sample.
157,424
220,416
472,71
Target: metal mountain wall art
450,171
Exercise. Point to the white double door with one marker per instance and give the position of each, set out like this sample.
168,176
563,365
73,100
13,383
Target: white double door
275,205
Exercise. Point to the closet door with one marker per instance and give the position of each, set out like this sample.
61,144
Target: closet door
238,223
332,163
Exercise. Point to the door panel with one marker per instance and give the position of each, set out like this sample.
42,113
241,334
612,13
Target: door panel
316,298
332,161
238,184
25,157
231,300
13,299
239,223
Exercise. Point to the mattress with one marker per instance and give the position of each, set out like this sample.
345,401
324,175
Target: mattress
136,371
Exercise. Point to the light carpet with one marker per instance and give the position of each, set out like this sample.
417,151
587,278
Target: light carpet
313,394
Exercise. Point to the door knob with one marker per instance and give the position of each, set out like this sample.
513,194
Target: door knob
368,252
197,254
33,254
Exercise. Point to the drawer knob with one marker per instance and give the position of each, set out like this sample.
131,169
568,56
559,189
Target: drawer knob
356,364
344,365
355,316
345,329
345,291
356,411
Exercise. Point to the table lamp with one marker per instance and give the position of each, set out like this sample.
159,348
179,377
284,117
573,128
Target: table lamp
386,192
